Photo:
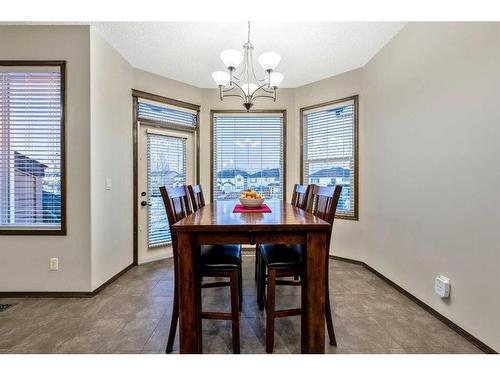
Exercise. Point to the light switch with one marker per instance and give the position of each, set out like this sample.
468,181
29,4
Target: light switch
108,183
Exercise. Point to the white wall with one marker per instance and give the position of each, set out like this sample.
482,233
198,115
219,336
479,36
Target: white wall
111,157
24,260
430,182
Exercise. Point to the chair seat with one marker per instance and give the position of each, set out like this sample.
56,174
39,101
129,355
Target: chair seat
220,257
281,256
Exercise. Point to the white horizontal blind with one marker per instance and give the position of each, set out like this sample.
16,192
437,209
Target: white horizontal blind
30,148
159,112
166,167
248,154
329,151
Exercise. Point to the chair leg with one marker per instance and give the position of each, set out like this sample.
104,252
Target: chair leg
329,321
271,289
235,312
261,285
173,323
328,308
240,286
257,265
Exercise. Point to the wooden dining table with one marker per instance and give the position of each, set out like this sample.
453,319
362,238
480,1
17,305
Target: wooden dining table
217,224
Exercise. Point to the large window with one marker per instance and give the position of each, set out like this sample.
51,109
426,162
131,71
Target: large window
31,147
330,150
248,153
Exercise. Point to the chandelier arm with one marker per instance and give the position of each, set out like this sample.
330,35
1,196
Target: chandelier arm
228,90
235,95
263,96
270,91
263,88
253,71
243,91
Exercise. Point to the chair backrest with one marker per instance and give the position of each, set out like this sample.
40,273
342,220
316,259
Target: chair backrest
323,201
300,196
176,201
197,199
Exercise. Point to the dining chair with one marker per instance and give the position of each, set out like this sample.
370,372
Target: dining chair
300,198
197,198
286,261
214,261
198,201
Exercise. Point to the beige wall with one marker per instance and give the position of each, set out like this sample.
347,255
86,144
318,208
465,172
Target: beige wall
24,264
111,157
431,168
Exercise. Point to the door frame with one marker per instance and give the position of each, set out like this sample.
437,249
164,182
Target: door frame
136,94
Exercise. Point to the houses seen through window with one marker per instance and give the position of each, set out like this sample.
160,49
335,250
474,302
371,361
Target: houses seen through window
31,189
248,154
329,150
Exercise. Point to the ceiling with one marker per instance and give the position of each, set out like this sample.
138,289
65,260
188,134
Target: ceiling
189,51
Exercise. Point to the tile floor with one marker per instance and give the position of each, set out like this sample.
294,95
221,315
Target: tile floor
132,315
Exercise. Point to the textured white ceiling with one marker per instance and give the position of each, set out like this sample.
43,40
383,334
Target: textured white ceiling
189,51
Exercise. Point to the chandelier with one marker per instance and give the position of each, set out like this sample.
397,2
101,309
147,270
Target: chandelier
243,82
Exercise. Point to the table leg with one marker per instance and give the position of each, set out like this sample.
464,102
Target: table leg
313,294
189,295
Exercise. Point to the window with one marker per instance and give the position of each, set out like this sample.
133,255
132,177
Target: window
248,153
166,167
165,115
330,150
32,193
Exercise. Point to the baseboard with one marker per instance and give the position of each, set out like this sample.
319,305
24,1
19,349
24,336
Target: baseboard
65,294
105,284
462,332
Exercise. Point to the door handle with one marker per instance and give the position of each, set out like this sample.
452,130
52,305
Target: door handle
145,203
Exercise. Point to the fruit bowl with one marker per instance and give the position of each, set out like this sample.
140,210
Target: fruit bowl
251,199
251,202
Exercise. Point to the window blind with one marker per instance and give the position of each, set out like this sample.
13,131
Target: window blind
166,167
30,148
248,154
163,113
328,157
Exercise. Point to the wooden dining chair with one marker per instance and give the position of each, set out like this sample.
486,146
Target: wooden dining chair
214,261
198,201
278,261
197,198
300,197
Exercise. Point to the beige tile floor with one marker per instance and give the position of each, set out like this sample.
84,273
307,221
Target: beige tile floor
132,315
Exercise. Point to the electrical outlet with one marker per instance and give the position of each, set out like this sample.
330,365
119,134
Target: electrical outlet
54,264
442,286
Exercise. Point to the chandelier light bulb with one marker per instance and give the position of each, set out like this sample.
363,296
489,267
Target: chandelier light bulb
275,79
231,58
249,88
221,78
269,60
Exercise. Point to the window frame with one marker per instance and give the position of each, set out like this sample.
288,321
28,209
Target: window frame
355,99
214,112
33,231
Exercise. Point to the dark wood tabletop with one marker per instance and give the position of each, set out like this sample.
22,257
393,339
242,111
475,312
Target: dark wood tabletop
219,216
217,224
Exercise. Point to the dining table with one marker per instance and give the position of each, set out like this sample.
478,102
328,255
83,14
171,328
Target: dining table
216,223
